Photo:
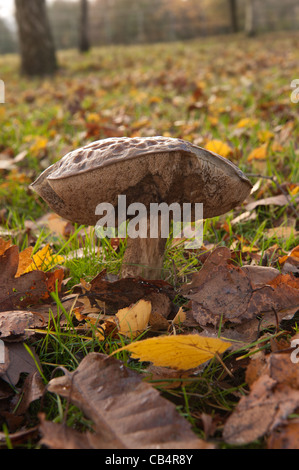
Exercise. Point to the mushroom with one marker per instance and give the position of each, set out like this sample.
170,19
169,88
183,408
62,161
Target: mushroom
146,170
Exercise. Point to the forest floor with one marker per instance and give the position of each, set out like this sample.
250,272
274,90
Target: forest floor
61,302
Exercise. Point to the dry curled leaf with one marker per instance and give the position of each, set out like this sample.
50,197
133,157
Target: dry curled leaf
134,319
17,289
126,412
221,291
273,396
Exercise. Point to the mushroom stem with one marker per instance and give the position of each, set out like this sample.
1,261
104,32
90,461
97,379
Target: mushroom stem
144,256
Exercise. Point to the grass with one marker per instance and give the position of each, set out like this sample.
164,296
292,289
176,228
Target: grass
203,92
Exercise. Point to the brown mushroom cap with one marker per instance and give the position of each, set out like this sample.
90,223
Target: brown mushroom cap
146,170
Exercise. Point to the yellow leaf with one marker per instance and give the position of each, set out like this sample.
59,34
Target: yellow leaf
44,259
134,319
265,136
258,153
155,99
39,144
246,122
25,261
93,117
219,147
178,352
4,245
295,191
180,317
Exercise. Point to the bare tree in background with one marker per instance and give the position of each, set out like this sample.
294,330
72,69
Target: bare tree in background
35,37
84,44
233,15
250,18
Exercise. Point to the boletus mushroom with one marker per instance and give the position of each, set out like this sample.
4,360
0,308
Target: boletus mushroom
145,170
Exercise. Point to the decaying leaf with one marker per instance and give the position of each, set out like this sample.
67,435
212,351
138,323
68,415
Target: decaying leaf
290,262
17,360
221,291
120,293
285,436
126,412
273,396
26,289
178,352
15,325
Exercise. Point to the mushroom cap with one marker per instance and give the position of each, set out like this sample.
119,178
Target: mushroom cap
146,170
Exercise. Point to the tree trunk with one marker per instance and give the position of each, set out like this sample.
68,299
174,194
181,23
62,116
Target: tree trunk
250,18
84,45
233,15
35,37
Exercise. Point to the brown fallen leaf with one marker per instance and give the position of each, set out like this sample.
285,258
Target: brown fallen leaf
165,378
126,412
19,437
273,396
285,436
221,291
117,293
282,232
32,389
280,200
59,436
15,325
17,360
290,262
26,289
4,245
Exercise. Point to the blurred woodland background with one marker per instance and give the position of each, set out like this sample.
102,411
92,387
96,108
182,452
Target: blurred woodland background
86,23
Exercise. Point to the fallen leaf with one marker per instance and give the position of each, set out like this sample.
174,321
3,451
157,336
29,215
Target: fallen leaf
32,389
259,153
281,232
246,122
119,293
25,260
272,398
16,292
290,262
180,317
280,200
265,136
44,260
134,319
126,411
28,288
16,324
4,245
178,352
285,436
219,147
223,292
17,361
